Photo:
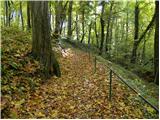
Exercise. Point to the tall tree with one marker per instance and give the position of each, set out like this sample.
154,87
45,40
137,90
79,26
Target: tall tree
108,26
58,11
28,16
77,27
6,13
41,39
89,33
136,28
137,41
95,27
127,25
83,20
102,28
156,43
70,19
22,22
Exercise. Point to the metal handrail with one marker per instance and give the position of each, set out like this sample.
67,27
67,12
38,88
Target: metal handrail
122,79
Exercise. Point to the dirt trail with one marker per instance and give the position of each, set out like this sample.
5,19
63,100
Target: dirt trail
80,93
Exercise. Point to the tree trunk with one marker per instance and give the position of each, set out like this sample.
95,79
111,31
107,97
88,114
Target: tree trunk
108,27
7,13
156,44
89,34
58,11
41,39
77,28
102,29
137,42
21,15
127,26
136,27
83,34
69,34
28,16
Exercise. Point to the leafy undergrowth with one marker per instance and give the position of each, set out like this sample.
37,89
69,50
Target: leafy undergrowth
79,93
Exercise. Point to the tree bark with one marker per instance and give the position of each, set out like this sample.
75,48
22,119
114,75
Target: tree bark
127,26
21,15
137,42
102,28
7,13
89,34
58,11
156,44
28,16
136,27
77,28
108,27
41,39
83,34
69,34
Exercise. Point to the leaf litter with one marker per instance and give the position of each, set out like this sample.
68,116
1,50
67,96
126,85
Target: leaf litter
79,93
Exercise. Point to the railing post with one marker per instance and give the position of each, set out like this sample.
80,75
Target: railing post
95,64
110,85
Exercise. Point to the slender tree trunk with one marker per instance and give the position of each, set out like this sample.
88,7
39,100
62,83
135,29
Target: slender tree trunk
41,39
102,28
83,34
108,26
7,13
110,38
69,34
127,26
135,44
95,30
77,28
21,15
156,44
89,34
58,11
28,16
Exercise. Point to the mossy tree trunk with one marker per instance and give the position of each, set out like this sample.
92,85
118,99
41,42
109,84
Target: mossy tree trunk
41,39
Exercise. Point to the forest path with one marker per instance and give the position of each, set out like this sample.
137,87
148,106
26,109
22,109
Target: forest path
80,93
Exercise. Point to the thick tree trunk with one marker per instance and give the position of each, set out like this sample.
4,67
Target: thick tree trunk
21,15
135,45
69,34
28,16
41,39
156,44
102,29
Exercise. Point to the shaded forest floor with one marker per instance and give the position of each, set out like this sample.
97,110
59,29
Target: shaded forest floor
79,93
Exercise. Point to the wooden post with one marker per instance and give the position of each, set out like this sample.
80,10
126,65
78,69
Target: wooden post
110,85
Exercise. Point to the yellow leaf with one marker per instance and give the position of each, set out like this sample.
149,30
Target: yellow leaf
40,114
18,103
54,113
